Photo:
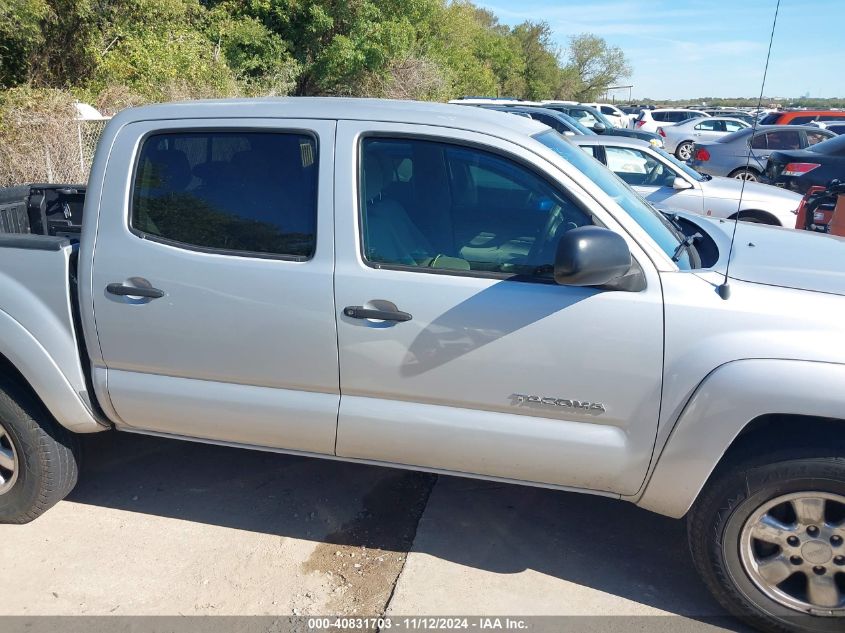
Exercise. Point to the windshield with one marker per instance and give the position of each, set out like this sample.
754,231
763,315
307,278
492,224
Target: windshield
832,147
595,112
651,220
689,171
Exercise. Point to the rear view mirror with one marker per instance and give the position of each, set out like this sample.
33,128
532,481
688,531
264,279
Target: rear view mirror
591,256
680,184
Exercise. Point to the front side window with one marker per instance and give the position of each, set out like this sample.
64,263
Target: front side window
238,191
459,208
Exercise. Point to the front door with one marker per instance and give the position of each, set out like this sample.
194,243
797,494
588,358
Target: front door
457,350
212,281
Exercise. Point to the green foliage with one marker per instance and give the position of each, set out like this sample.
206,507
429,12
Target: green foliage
140,50
595,66
20,36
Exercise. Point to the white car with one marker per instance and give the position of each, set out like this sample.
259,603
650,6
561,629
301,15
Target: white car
650,120
680,138
616,116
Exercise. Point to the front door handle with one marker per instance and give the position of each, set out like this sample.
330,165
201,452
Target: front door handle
123,290
360,312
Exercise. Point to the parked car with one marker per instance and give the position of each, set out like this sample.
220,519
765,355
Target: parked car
650,120
556,120
833,126
729,155
801,117
612,113
261,273
668,183
681,137
596,121
742,115
797,170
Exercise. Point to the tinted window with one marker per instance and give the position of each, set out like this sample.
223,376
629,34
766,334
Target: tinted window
839,128
786,139
831,117
660,116
462,209
607,110
759,142
770,119
251,192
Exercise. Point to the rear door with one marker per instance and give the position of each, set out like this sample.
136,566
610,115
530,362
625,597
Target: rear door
212,281
457,351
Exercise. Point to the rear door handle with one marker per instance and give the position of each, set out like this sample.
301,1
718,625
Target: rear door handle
360,312
122,290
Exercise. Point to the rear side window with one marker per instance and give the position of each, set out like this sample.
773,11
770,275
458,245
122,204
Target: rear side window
660,116
237,192
784,139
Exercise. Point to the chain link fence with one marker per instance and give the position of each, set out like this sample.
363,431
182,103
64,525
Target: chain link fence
54,148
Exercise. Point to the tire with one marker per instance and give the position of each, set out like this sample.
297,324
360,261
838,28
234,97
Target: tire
745,174
743,500
684,151
38,457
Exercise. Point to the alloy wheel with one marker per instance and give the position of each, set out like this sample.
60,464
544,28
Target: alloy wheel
793,549
685,151
8,462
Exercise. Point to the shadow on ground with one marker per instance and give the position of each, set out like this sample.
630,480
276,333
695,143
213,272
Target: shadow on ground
596,542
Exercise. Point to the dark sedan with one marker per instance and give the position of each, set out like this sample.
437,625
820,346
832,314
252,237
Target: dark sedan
800,169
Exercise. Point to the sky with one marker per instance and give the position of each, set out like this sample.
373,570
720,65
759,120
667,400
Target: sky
692,48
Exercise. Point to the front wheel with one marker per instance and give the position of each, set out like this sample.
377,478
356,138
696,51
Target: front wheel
38,457
769,542
684,151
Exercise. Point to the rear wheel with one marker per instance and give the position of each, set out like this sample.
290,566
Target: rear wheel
38,457
745,174
769,542
684,151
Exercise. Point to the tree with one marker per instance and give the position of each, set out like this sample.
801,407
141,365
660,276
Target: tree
541,70
595,66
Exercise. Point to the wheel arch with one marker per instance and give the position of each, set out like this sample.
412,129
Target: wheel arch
733,173
26,361
731,410
764,216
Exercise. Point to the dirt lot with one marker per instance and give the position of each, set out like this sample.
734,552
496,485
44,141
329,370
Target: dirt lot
173,528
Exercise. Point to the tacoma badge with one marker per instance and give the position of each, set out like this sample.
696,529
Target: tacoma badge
520,399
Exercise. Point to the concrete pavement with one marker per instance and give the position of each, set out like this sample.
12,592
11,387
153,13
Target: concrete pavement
165,527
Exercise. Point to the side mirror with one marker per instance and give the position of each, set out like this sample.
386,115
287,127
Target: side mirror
599,127
679,184
591,256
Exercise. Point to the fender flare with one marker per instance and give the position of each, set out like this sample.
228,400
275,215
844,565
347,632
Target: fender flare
38,368
726,401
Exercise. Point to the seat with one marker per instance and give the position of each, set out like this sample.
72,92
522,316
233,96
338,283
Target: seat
391,236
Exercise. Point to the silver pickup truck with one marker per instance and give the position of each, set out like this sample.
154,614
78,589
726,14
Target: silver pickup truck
446,289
